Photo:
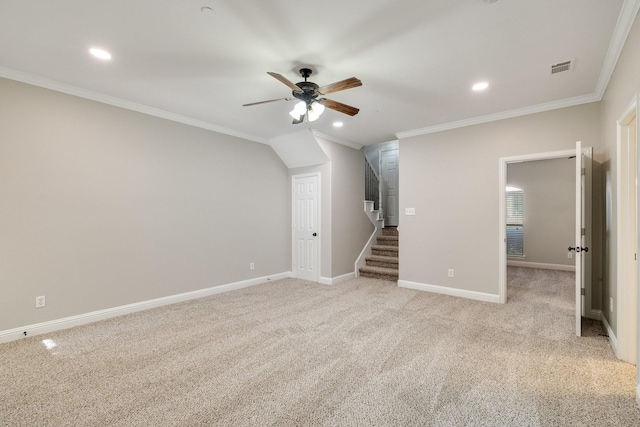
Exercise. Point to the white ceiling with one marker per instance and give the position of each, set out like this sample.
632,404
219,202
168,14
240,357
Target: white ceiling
417,59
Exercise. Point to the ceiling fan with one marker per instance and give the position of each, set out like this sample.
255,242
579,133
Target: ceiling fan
311,106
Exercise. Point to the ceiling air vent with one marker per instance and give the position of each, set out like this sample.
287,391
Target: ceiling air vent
561,67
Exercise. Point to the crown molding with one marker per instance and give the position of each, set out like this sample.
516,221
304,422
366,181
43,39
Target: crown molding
621,31
562,103
20,76
623,26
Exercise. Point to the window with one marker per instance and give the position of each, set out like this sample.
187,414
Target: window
515,221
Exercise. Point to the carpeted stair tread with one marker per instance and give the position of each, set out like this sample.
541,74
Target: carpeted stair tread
388,240
382,258
382,261
390,231
384,250
379,272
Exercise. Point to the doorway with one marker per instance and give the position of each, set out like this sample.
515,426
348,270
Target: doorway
389,175
582,234
626,304
305,220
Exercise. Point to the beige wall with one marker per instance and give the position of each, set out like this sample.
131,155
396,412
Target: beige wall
103,207
451,178
344,227
350,226
549,208
623,86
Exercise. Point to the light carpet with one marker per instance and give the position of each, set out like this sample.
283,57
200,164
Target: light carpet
295,353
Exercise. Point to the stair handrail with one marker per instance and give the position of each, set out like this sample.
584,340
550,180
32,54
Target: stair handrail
377,219
372,185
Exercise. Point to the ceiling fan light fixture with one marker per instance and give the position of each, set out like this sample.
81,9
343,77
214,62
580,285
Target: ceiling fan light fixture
299,110
317,107
315,110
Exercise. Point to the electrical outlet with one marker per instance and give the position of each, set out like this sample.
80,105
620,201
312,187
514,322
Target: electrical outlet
569,255
409,211
252,266
611,304
450,272
40,301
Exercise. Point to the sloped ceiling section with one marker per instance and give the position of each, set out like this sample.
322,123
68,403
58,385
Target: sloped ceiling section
299,149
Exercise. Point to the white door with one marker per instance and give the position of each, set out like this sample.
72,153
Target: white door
305,197
389,175
583,257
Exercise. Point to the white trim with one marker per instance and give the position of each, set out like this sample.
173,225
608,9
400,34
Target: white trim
317,174
542,265
502,234
624,241
378,225
562,103
594,314
612,337
336,280
455,292
122,103
94,316
626,18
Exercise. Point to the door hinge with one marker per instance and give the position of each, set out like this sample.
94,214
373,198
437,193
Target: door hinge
584,171
581,291
583,231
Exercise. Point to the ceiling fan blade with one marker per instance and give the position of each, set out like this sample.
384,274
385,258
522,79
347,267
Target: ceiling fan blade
339,106
264,102
338,86
286,81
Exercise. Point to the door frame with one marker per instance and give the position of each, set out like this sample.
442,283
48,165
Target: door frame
627,295
502,247
390,146
318,217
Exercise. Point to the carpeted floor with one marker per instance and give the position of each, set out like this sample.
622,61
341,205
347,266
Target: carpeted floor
294,353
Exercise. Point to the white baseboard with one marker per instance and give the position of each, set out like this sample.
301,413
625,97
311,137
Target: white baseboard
594,314
612,337
480,296
542,265
94,316
337,279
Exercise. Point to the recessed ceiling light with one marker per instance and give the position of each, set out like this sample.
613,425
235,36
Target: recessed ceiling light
480,86
100,53
337,124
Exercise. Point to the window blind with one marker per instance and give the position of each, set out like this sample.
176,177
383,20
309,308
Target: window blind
515,223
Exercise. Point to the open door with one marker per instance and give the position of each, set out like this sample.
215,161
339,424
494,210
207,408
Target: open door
583,268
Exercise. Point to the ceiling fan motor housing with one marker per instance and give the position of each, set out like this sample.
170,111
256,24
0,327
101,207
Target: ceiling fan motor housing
308,93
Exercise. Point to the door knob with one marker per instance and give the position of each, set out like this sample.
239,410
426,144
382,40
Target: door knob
578,249
315,234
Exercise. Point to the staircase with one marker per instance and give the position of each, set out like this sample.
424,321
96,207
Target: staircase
383,261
